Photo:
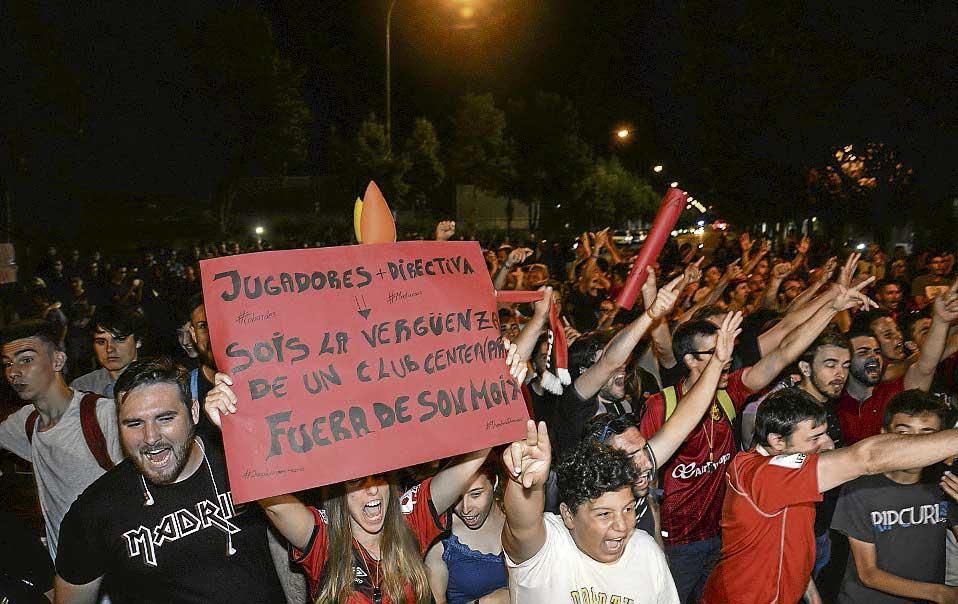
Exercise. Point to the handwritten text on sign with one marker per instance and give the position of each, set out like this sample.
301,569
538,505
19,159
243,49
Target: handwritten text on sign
356,360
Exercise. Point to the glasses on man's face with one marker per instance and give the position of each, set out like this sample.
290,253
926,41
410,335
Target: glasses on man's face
699,353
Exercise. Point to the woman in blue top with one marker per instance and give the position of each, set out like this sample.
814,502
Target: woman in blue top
468,566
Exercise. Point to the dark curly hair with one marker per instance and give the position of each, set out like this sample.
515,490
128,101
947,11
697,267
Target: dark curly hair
592,470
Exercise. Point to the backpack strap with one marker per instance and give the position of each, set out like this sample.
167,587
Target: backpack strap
92,433
671,400
724,401
31,424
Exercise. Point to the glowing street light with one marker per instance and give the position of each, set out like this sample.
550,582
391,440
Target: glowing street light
623,133
466,11
658,168
674,184
259,230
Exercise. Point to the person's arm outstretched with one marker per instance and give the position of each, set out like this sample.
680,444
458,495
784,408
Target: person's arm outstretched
527,464
617,351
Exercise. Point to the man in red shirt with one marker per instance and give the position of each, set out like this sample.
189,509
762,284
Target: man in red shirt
861,407
768,547
692,480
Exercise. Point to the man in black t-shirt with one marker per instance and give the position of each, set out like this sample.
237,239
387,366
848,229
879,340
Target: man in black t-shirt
162,526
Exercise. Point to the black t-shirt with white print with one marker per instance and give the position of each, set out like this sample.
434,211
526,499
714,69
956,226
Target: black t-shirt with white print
174,550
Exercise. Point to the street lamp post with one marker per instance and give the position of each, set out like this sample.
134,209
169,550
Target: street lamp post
389,112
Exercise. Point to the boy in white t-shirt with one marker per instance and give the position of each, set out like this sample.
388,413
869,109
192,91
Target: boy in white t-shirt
591,551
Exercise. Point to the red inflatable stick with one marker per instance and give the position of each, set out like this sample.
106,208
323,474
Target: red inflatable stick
672,205
512,296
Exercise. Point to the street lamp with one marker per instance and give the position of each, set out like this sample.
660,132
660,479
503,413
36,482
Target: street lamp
657,168
623,133
674,184
466,12
259,231
389,112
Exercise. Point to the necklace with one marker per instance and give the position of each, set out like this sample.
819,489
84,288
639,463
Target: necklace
377,589
710,436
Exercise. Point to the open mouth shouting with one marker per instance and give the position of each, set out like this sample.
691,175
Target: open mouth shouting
643,481
613,546
158,456
373,510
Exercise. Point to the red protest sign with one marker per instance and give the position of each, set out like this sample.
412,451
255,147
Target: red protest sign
355,360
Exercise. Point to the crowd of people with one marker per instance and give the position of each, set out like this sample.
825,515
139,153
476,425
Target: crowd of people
760,400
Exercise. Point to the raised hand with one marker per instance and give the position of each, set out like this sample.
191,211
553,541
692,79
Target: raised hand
445,230
745,242
220,400
725,343
527,461
945,306
649,288
584,249
517,366
764,247
827,270
666,298
518,256
781,270
848,270
601,239
733,270
541,307
492,260
850,297
571,334
693,272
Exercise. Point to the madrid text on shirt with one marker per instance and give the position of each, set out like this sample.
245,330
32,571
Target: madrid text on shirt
143,541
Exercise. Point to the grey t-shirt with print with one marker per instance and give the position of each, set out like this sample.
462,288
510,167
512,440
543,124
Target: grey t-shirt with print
62,461
907,525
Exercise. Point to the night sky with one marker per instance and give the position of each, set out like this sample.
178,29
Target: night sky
735,98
